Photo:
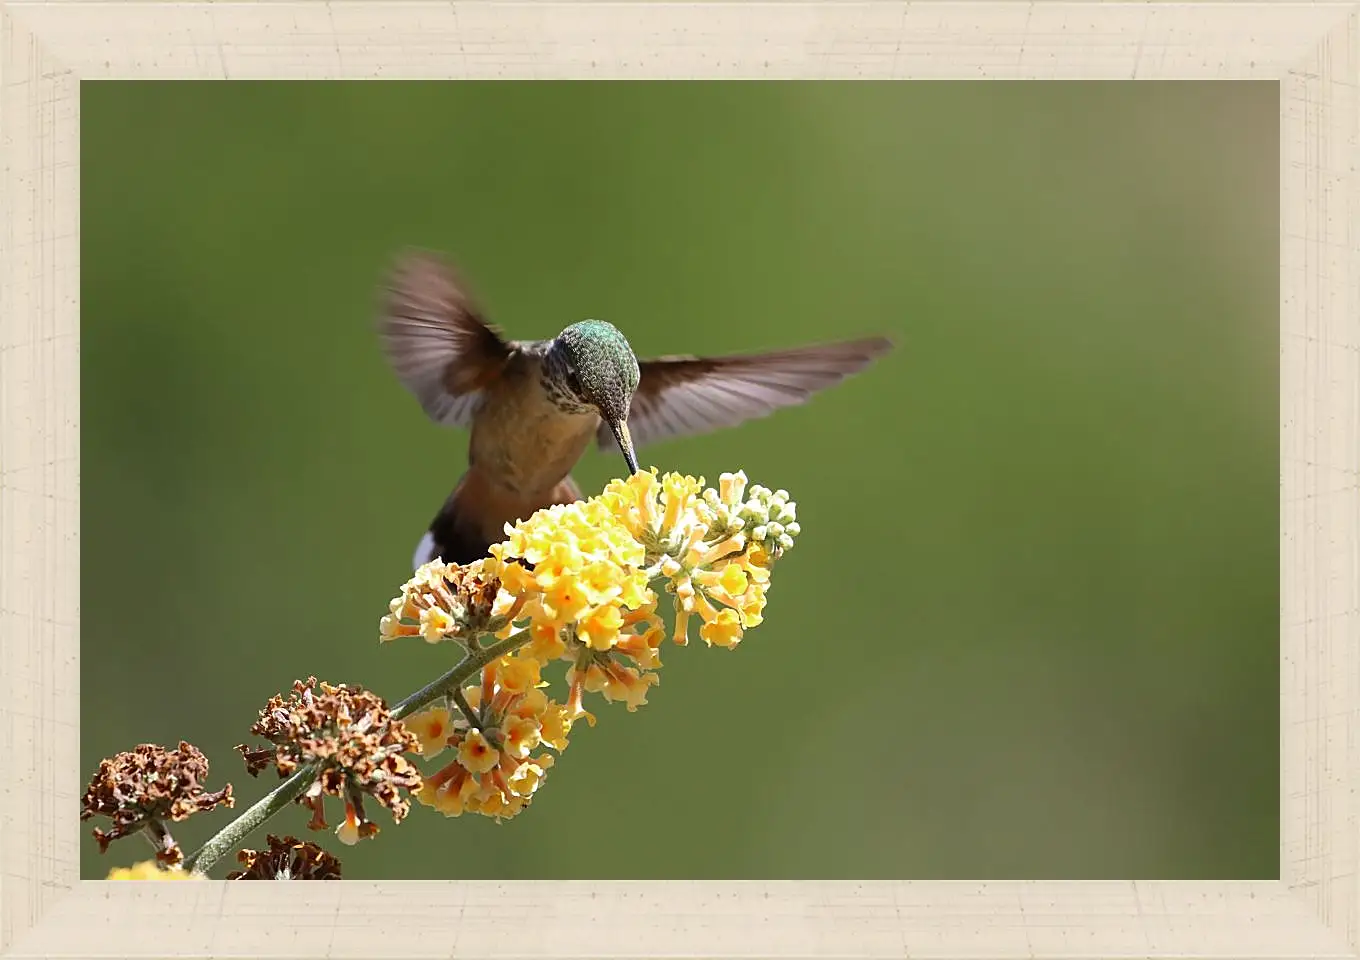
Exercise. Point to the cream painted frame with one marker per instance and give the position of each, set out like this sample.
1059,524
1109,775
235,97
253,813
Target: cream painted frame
46,48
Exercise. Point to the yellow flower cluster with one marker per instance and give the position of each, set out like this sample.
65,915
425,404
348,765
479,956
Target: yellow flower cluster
150,870
706,554
577,579
493,732
585,598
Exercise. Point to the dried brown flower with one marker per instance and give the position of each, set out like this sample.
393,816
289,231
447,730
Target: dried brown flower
445,601
287,858
355,739
140,789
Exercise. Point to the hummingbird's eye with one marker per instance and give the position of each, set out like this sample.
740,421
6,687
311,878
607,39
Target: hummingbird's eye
573,381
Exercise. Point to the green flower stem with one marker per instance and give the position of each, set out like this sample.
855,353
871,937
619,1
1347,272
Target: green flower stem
158,836
235,832
460,674
289,790
461,699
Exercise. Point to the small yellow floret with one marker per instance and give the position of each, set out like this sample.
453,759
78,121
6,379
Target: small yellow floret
476,754
432,728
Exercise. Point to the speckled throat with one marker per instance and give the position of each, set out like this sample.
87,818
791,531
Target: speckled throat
552,378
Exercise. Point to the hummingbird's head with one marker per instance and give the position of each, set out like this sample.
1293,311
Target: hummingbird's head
593,364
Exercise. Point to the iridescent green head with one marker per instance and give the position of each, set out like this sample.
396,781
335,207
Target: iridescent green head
592,363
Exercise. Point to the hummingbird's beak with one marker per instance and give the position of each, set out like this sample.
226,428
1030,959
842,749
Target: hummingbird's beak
620,428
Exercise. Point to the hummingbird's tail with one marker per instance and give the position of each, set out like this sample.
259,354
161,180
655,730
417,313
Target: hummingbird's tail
475,514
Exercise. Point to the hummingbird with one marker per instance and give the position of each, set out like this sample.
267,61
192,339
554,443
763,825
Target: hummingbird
534,406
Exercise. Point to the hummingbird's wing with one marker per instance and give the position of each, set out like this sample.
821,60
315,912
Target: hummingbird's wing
436,339
684,396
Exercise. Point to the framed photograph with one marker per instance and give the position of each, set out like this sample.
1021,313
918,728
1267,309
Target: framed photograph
780,499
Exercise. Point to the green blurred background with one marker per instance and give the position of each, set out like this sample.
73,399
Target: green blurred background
1030,630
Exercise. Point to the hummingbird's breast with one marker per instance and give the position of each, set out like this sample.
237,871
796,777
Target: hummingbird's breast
520,438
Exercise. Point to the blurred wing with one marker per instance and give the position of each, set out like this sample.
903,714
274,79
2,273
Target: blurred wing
685,396
434,336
